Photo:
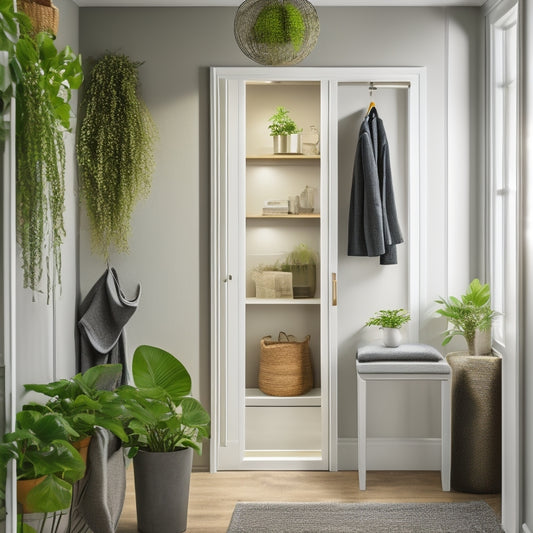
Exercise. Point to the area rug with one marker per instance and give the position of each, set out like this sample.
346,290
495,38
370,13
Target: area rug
463,517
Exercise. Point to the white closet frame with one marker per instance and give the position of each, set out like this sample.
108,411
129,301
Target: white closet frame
227,84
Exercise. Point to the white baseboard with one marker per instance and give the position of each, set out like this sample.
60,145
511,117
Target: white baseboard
392,454
525,529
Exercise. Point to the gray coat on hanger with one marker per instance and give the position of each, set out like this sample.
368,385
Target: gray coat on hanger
373,224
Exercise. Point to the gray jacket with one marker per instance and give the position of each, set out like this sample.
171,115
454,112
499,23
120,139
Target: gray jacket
373,225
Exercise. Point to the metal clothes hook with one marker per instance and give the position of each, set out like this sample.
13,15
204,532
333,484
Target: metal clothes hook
372,88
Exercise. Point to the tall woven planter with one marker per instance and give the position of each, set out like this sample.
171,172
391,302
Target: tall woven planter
43,14
476,422
285,367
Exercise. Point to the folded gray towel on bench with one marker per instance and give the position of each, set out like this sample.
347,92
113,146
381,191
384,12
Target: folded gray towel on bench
404,352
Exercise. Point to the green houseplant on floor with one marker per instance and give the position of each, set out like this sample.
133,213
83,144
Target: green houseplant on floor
390,321
476,392
164,424
115,151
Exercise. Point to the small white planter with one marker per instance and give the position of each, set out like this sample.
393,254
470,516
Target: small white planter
392,337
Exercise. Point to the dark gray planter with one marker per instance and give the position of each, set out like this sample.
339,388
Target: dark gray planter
162,490
476,463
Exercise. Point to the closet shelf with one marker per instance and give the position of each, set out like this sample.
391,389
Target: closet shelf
283,157
303,216
283,301
256,398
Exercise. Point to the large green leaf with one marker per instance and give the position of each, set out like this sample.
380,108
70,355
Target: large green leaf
100,377
53,494
153,367
193,413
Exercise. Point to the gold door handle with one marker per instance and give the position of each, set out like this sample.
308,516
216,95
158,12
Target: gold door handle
334,289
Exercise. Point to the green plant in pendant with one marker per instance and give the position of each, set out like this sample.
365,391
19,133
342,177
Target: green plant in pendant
280,23
42,116
115,151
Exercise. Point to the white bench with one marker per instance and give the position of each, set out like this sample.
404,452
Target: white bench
403,370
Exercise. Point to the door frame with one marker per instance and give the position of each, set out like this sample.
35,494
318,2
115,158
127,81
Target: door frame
221,102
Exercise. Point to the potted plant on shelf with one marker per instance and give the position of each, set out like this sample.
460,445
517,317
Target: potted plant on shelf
286,135
116,161
390,321
164,425
301,262
476,392
47,466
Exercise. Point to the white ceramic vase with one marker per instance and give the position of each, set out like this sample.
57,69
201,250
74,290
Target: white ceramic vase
391,337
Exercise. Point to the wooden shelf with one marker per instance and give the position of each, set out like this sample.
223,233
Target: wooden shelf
283,157
256,398
303,216
283,301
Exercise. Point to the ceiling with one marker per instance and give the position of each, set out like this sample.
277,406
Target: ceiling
320,3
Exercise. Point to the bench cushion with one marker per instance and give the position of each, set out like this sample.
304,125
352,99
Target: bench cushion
403,367
404,352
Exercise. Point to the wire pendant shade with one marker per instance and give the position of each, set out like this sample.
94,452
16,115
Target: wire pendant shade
276,32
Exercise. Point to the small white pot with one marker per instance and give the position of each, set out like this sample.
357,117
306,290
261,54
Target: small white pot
392,337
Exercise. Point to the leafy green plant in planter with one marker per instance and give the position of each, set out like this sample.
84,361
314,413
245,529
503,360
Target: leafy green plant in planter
471,317
164,425
115,151
390,321
282,124
85,401
41,449
301,261
43,115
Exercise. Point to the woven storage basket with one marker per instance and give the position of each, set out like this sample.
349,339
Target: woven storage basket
43,14
285,366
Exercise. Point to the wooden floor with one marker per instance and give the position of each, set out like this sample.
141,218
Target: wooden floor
213,496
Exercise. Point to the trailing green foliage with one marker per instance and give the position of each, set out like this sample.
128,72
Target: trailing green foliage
389,318
279,23
282,124
162,416
43,114
115,151
469,313
10,72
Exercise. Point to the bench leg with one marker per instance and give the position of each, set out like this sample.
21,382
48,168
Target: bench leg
446,433
361,431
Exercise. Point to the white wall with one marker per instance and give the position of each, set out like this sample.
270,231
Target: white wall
170,241
46,333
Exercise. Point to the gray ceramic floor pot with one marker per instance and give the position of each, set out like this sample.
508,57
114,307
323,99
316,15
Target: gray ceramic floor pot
162,490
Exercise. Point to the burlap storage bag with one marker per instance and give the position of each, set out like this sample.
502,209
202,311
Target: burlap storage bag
476,422
43,14
285,366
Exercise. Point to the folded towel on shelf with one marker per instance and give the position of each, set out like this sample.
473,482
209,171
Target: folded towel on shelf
404,352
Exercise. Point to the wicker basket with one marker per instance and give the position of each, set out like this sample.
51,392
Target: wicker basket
285,366
43,14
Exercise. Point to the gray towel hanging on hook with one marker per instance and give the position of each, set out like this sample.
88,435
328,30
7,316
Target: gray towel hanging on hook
373,224
104,312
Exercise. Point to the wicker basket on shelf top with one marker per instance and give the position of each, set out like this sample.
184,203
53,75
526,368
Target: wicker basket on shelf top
43,14
285,366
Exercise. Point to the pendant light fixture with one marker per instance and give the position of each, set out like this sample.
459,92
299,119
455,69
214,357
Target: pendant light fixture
276,32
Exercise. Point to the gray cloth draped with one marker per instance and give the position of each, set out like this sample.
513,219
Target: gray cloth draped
373,224
98,498
104,312
404,352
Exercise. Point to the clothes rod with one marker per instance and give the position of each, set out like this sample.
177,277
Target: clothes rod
383,84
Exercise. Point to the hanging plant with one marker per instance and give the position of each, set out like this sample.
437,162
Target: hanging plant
280,23
42,116
115,151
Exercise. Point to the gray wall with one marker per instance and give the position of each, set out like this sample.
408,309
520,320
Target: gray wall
170,240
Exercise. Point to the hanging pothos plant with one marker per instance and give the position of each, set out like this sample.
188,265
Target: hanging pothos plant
115,151
42,116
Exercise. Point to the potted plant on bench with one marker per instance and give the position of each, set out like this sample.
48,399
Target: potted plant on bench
390,321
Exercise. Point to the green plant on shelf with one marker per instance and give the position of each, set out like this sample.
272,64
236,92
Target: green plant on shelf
282,124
